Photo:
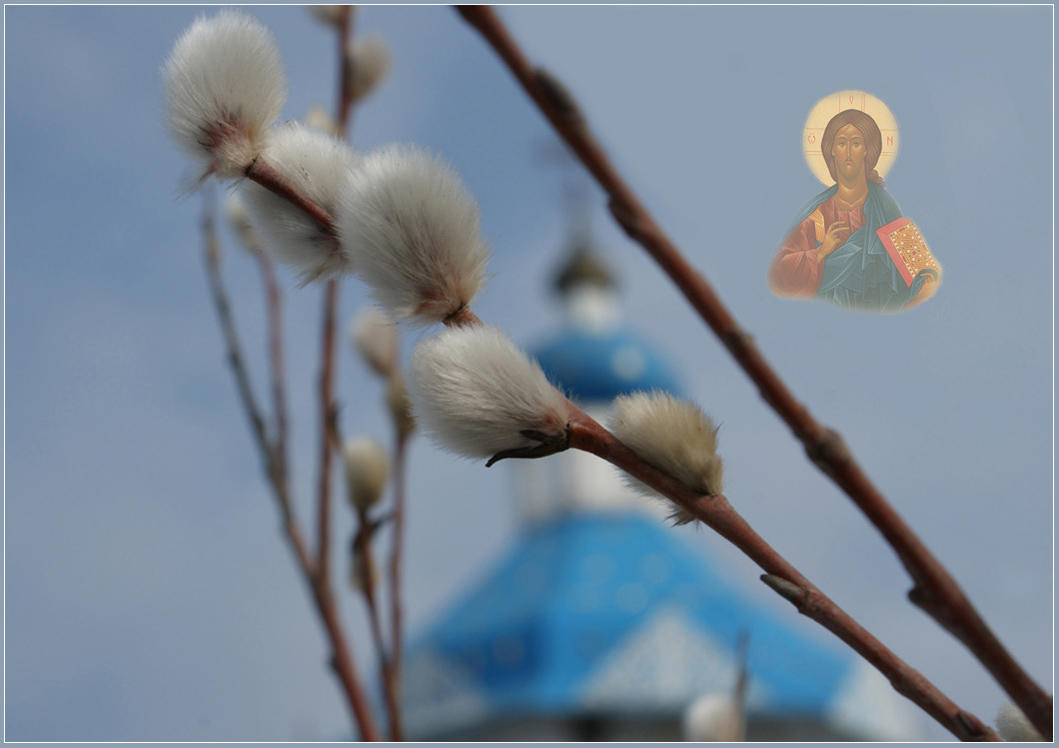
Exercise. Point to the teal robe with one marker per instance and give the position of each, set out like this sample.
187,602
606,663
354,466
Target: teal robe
860,274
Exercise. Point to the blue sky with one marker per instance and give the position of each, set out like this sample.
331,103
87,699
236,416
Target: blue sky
149,594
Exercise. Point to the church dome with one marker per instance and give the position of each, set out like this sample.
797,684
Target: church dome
597,365
594,357
615,617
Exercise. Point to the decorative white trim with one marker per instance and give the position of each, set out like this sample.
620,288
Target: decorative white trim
592,308
662,666
438,696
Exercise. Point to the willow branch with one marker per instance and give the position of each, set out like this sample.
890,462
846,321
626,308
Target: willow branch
365,531
362,547
341,660
211,255
327,346
935,590
329,435
327,414
344,101
400,454
271,179
274,305
715,511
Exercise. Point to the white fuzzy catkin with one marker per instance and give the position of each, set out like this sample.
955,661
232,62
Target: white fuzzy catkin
474,392
369,61
1014,726
319,166
413,229
674,436
367,469
374,335
714,718
224,87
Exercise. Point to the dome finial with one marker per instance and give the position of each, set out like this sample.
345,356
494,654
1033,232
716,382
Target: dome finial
582,264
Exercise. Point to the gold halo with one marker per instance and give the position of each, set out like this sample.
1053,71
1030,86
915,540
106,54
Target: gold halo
831,105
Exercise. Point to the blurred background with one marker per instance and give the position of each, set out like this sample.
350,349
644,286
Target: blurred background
148,591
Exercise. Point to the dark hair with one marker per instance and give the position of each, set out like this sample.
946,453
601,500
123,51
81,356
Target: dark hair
872,141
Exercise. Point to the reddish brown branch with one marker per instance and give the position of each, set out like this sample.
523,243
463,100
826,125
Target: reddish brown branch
396,552
327,360
274,305
935,589
272,180
716,512
329,437
242,380
342,658
231,337
362,547
366,529
344,101
327,415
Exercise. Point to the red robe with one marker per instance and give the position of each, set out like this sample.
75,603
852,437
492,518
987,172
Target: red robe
795,270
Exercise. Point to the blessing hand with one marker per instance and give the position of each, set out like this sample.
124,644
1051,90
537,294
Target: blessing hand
836,235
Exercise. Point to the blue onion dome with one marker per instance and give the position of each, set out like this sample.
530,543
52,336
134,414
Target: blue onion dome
593,357
599,366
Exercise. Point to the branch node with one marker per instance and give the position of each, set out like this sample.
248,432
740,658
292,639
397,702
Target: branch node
973,728
828,451
559,98
738,341
626,218
923,599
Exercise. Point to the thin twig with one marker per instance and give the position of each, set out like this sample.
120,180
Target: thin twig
326,388
327,348
330,437
342,658
271,179
344,101
935,590
211,255
365,531
396,551
274,304
362,547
